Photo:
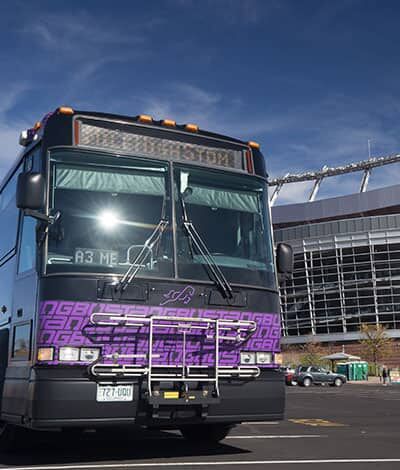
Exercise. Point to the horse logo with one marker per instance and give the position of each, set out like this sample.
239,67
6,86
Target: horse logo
184,296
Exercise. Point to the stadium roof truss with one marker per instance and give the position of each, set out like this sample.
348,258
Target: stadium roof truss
364,166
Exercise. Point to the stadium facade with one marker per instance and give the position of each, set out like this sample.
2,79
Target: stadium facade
347,263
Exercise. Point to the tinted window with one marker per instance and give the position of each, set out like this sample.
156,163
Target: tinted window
8,217
111,210
228,212
22,342
27,249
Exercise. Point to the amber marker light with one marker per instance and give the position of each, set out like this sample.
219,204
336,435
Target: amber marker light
253,145
45,354
37,125
168,122
145,118
192,127
249,161
65,110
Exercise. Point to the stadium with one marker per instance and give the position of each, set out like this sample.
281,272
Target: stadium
347,260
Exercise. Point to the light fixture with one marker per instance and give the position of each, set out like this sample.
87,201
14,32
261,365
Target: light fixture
69,354
89,354
45,354
247,357
192,127
264,357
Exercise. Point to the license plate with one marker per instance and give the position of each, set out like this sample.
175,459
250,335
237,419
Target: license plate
96,257
112,393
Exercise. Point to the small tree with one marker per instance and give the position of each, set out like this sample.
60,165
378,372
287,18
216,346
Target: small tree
312,353
375,343
291,355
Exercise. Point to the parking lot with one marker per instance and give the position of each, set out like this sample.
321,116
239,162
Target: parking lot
355,426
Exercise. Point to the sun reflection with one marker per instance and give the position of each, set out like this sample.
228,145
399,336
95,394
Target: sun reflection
108,220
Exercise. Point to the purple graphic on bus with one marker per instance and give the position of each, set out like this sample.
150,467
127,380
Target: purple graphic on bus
69,323
185,296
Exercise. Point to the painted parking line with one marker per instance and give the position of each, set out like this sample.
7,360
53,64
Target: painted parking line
226,463
260,422
317,422
287,436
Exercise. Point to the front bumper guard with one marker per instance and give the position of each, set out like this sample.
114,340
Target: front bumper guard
215,330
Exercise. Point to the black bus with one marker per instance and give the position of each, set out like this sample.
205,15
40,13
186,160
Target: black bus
138,279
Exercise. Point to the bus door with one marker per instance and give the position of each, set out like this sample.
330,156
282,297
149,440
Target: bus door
22,318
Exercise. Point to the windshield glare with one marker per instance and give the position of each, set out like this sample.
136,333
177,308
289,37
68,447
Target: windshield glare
107,214
110,206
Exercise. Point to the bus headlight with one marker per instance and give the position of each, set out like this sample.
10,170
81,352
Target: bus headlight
247,357
89,354
69,354
264,357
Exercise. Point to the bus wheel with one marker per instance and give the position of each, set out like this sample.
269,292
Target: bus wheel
8,437
205,433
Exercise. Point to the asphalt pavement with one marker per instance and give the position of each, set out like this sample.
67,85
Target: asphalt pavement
352,427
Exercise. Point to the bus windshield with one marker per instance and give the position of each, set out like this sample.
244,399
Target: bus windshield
229,212
109,208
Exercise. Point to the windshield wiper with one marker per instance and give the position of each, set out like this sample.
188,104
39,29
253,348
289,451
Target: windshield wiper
202,248
142,256
46,221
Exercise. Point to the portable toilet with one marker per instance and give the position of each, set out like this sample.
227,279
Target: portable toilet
343,368
353,370
364,370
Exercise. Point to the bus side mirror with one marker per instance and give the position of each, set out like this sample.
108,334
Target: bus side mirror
31,191
284,258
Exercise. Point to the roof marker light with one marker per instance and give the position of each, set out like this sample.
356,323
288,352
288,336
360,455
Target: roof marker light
65,110
192,127
37,125
168,122
253,145
145,118
23,138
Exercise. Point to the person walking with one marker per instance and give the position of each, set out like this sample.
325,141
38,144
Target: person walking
384,375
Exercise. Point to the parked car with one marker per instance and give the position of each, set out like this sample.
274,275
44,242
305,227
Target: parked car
288,373
309,375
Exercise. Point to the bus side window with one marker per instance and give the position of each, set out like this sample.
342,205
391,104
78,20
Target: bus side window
27,250
8,216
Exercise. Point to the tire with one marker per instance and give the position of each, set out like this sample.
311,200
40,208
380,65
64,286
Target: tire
338,382
8,437
208,434
72,434
307,382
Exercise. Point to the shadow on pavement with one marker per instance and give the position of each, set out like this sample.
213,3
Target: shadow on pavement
57,448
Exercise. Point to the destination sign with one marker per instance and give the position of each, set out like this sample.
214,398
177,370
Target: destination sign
125,140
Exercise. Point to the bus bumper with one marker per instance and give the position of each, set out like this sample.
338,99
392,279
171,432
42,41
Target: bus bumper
61,398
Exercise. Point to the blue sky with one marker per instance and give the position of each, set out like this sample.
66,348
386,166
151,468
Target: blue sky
311,80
